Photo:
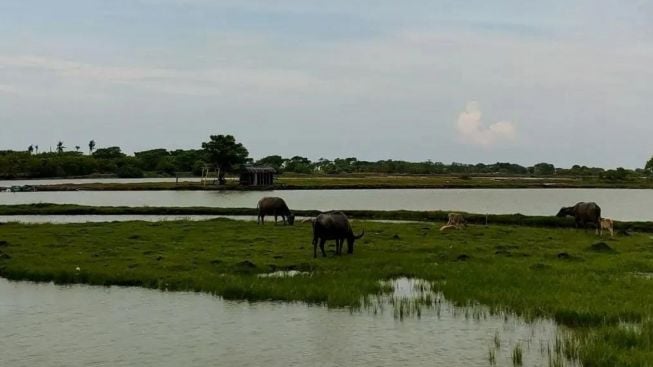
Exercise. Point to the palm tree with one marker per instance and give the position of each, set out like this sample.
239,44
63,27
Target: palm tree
36,148
77,148
60,147
30,149
91,146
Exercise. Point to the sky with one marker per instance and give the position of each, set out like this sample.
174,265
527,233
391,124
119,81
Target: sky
562,81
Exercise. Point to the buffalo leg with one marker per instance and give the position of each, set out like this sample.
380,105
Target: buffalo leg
322,241
350,248
262,219
338,247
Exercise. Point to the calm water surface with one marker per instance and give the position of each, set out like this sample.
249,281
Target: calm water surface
60,181
619,204
48,325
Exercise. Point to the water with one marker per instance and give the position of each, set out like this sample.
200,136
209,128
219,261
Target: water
620,204
60,219
62,181
48,325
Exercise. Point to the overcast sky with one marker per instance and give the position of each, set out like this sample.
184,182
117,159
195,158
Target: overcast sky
560,81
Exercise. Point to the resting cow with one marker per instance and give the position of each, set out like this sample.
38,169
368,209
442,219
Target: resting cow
456,220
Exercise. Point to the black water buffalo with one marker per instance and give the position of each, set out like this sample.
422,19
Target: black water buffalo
583,213
274,206
333,226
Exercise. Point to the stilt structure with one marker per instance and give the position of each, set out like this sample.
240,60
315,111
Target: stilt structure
206,175
257,176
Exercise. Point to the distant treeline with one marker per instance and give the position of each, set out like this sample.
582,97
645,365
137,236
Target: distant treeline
111,161
225,153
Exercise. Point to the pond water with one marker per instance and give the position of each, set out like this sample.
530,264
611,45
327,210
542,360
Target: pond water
49,325
620,204
61,181
59,219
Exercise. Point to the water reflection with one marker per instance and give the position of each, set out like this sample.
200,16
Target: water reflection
46,325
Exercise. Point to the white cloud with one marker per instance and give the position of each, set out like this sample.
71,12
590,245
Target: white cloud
471,128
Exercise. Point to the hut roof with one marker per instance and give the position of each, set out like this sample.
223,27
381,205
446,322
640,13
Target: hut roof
259,169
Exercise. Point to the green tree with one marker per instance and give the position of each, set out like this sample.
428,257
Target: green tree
544,169
649,166
225,153
299,164
274,161
60,147
30,149
108,153
150,159
91,147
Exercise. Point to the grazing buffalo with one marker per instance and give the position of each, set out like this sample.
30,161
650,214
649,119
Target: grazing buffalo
274,206
333,226
583,214
456,220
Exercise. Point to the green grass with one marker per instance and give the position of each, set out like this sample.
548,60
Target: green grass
509,268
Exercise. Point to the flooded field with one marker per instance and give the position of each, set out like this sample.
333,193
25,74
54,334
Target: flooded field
45,324
621,204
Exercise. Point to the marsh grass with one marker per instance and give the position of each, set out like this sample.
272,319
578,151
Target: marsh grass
593,295
517,356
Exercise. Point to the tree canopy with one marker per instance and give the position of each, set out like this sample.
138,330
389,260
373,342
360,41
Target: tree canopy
225,153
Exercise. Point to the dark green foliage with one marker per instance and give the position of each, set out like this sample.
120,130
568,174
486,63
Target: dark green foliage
299,164
619,174
544,169
108,153
274,161
225,153
149,159
129,171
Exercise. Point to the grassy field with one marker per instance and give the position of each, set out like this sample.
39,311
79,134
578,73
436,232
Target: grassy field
314,182
533,272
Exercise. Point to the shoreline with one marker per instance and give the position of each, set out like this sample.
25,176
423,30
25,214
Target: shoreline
192,186
433,216
353,182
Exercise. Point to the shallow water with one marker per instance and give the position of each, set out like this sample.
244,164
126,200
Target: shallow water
62,219
620,204
61,181
49,325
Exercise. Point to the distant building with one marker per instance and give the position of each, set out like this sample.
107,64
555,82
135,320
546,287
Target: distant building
257,176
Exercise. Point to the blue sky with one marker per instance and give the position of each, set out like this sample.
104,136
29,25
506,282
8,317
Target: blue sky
475,81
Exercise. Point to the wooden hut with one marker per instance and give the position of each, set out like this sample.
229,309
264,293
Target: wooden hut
257,176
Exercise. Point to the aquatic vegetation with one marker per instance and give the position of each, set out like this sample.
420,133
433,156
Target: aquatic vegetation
517,356
592,293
